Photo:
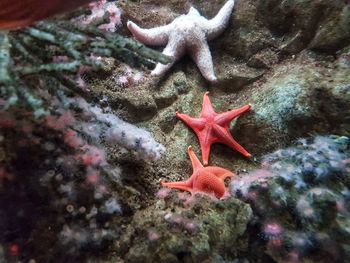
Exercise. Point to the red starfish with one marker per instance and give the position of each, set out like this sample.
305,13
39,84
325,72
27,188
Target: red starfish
212,127
208,180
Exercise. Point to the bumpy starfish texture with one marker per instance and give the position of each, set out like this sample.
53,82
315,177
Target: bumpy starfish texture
212,127
187,33
208,180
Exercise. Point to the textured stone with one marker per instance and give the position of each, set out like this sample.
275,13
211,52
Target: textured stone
217,227
141,106
334,34
234,75
263,60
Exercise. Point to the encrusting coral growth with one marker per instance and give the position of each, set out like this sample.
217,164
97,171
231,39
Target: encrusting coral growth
101,123
54,186
59,165
301,200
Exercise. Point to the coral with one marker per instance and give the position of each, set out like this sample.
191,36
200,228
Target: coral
52,189
101,123
128,78
302,202
272,231
55,171
99,10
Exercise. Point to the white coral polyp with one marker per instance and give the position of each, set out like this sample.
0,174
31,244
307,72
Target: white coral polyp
135,139
129,136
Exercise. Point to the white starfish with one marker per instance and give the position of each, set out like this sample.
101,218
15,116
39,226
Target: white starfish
187,33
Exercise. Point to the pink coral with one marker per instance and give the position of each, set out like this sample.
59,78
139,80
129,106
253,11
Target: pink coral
272,230
72,139
60,123
99,9
163,193
92,176
92,156
153,236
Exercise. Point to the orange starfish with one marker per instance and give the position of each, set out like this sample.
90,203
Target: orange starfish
212,127
208,180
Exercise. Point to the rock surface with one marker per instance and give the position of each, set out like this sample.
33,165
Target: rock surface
171,231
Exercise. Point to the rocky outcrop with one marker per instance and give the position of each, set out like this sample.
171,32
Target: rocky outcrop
289,59
176,232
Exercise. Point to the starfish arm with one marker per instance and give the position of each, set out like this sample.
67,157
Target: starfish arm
194,123
157,36
205,143
209,184
193,11
202,57
226,138
196,164
207,108
173,49
226,117
182,185
219,172
217,25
